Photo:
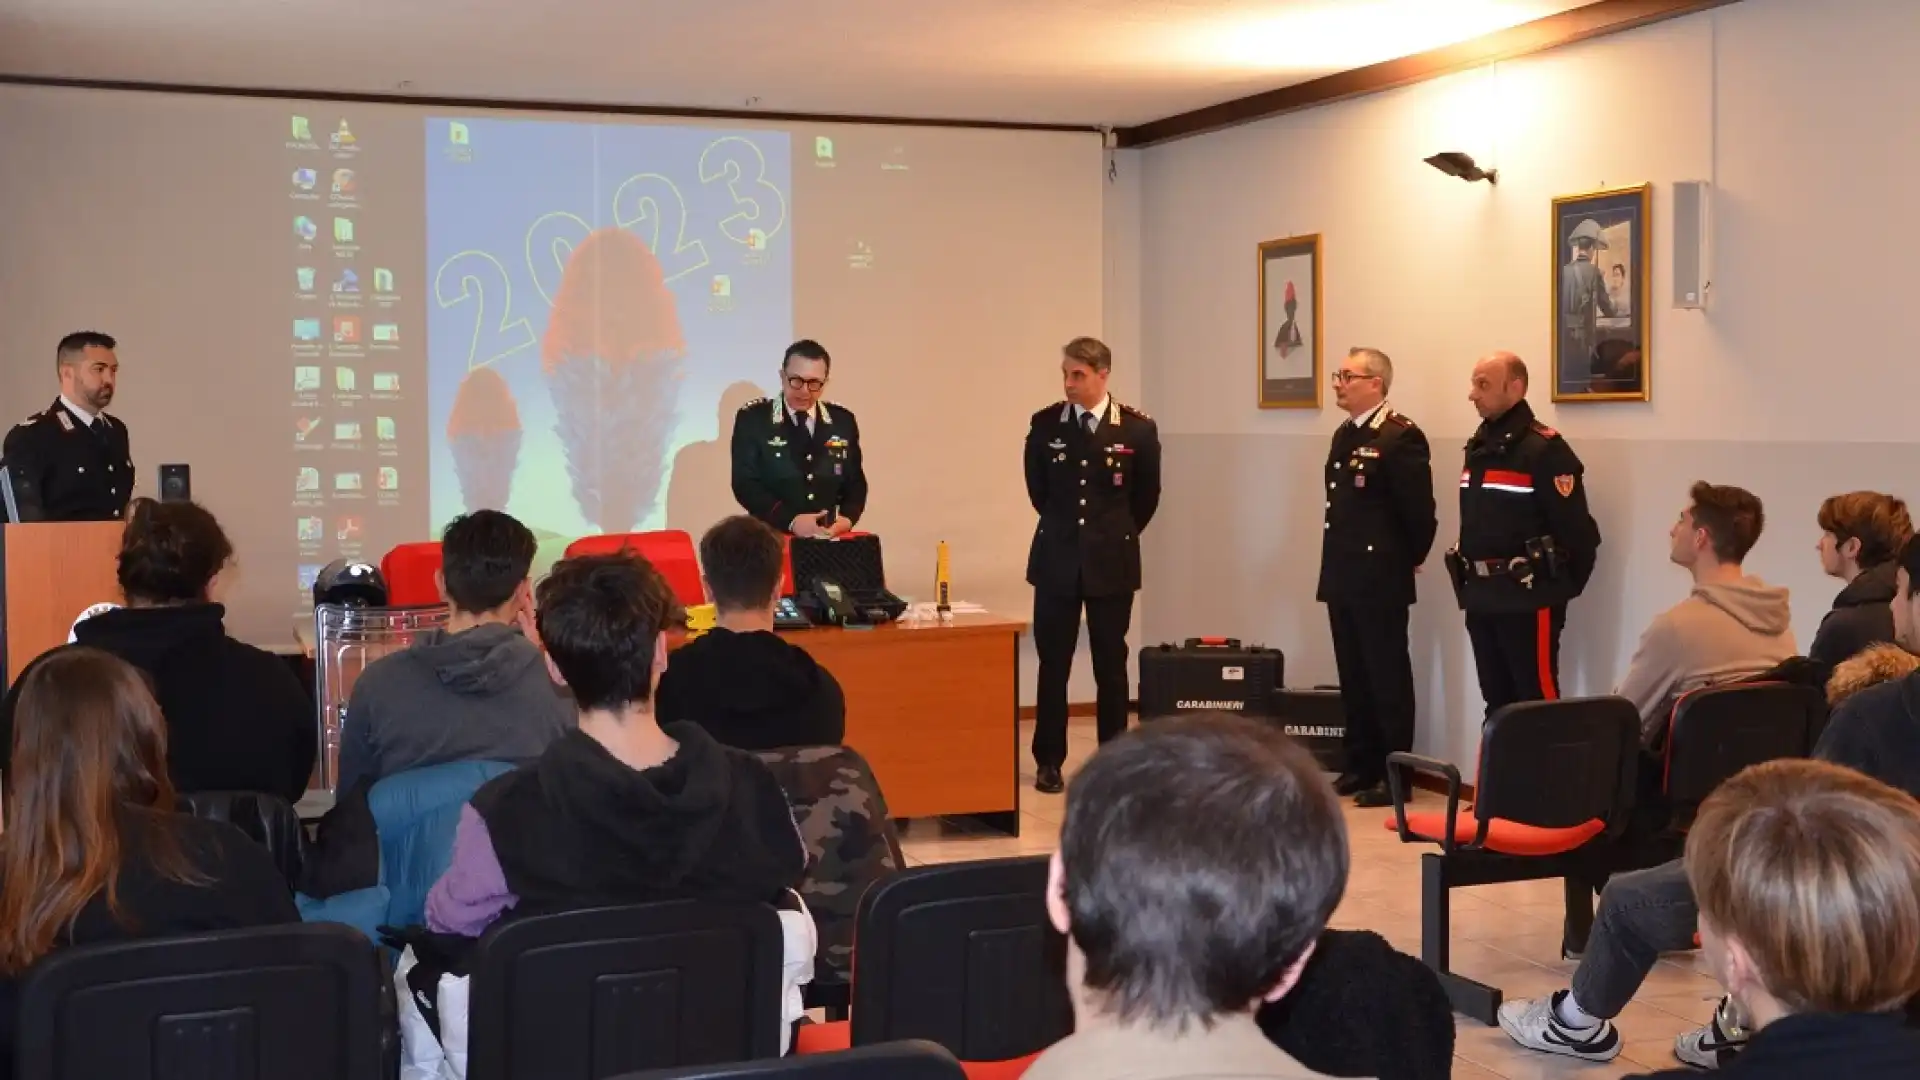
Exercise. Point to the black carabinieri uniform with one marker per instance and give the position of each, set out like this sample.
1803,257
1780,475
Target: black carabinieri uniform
1380,526
84,472
1095,492
1528,544
781,470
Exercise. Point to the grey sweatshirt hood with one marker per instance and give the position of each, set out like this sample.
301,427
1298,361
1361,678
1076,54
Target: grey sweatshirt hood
1754,604
485,660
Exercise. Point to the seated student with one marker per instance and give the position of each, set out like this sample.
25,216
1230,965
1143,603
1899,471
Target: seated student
1875,728
1199,862
237,717
620,810
1809,918
742,682
475,691
1860,534
93,850
1732,625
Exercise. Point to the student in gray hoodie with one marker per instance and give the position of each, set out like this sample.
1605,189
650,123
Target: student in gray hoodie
1732,626
476,691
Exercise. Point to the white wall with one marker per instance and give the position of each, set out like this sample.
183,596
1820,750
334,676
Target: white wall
1795,384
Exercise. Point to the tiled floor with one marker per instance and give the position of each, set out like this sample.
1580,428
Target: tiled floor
1504,935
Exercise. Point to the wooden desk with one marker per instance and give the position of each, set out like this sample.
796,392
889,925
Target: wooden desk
934,708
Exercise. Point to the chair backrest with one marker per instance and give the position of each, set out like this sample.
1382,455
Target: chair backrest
908,1059
588,994
300,1002
1559,764
671,552
962,955
851,841
346,640
408,570
1719,730
417,813
269,820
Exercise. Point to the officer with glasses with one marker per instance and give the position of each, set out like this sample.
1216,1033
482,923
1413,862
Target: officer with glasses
796,456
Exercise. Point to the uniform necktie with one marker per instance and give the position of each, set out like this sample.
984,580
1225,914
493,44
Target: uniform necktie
1087,422
800,417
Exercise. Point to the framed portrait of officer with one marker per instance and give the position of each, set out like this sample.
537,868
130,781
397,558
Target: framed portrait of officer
1602,245
1289,365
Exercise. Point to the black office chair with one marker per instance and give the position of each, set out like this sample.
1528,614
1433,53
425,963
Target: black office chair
906,1060
301,1002
1555,776
962,955
269,819
589,994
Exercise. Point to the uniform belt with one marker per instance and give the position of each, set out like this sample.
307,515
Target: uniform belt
1518,566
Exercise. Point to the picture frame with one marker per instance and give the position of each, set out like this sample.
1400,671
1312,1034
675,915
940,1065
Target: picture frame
1601,295
1289,368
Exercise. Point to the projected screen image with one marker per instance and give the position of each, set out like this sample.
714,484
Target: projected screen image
593,292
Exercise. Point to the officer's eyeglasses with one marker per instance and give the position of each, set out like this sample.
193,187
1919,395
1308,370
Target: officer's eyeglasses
798,383
1341,378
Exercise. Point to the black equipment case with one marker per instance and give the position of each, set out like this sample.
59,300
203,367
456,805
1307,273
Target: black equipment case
853,563
1220,675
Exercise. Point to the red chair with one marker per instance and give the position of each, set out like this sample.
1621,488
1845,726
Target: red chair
409,572
669,550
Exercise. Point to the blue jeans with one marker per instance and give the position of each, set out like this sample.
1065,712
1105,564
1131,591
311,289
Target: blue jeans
1642,914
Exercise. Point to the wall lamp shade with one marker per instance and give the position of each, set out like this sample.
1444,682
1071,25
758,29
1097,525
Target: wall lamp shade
1455,163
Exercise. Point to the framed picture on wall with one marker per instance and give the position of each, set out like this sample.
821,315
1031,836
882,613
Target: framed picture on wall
1289,367
1601,296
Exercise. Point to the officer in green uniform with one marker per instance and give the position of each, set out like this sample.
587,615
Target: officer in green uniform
796,457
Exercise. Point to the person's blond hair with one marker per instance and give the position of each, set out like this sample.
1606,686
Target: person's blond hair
1813,869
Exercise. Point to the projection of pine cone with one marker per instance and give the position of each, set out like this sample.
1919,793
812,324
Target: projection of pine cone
484,433
612,358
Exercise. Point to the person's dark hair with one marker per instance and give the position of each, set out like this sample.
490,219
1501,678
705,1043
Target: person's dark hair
484,557
88,791
1910,562
741,558
1618,268
806,349
1732,517
598,617
1089,351
74,345
1517,371
1202,857
1878,521
169,552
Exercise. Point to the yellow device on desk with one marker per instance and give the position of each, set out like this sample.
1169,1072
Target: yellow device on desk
942,584
700,619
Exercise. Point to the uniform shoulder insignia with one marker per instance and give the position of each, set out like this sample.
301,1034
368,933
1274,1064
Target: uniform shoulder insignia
1131,411
1400,419
30,421
1544,431
755,403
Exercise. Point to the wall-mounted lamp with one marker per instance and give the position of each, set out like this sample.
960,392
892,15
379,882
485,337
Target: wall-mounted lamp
1455,163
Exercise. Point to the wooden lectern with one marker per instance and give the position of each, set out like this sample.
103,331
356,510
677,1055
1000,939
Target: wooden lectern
49,574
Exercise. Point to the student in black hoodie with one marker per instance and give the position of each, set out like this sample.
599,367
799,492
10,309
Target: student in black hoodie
237,717
1861,532
742,682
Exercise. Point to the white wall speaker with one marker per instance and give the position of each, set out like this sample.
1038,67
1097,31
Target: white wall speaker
1692,243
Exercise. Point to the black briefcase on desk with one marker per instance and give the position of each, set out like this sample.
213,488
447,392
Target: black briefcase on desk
1210,675
853,565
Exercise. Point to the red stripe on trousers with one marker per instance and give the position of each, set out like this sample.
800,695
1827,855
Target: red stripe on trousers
1544,639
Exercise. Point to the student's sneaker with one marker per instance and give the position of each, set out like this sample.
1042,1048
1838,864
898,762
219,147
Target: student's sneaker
1714,1046
1533,1025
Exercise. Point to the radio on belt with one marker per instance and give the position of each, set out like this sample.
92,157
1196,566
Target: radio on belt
1220,675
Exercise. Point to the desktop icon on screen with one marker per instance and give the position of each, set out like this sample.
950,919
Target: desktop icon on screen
312,530
343,182
303,278
304,426
342,230
346,431
386,382
349,282
386,333
343,379
346,481
346,330
348,530
308,574
306,379
383,425
457,134
756,240
307,479
304,228
306,329
722,285
389,478
302,130
344,137
304,179
822,148
382,280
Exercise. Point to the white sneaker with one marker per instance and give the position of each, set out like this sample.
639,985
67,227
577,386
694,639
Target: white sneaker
1713,1046
1533,1025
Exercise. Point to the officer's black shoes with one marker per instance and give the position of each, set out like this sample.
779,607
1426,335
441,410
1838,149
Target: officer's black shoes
1047,780
1350,784
1373,798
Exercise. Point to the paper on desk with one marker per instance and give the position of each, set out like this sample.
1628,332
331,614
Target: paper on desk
927,609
